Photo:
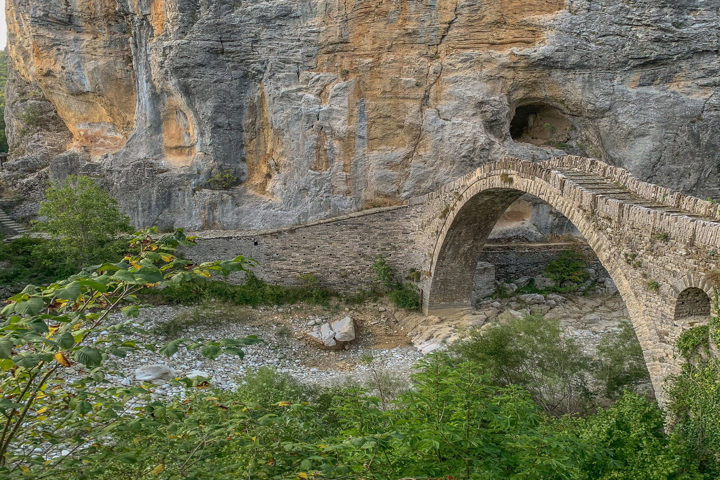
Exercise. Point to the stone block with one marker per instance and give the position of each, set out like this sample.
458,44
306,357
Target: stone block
483,281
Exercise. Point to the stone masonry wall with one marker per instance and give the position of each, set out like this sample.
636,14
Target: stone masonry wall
338,252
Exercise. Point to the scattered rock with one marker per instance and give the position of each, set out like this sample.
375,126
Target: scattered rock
483,281
509,315
154,374
532,298
330,334
327,335
556,298
542,282
610,286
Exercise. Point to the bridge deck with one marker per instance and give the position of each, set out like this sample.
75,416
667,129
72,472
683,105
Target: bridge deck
601,186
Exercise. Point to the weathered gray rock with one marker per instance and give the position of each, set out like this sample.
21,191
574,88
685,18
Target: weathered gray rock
154,373
556,298
483,281
542,282
320,107
532,298
344,330
334,334
510,315
327,335
610,287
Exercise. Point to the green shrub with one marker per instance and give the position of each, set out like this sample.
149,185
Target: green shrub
223,180
620,364
568,269
454,423
695,410
82,220
252,291
384,274
403,294
532,353
693,341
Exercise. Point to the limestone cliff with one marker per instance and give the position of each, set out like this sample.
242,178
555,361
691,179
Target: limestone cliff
319,107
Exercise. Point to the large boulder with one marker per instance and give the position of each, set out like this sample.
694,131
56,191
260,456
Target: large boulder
334,334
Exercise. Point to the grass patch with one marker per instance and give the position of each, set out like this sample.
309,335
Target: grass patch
403,294
252,291
28,260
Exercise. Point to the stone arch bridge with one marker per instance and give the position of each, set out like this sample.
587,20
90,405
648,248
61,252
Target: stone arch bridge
660,247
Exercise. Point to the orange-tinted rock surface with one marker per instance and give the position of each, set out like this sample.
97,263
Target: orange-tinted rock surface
319,107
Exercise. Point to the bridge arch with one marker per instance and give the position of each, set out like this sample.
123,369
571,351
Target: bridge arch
480,200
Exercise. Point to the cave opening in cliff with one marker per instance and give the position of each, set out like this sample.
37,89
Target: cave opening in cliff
541,124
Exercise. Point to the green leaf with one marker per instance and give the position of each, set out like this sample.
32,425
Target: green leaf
83,407
118,352
88,356
131,311
6,403
6,347
94,283
38,326
235,351
27,360
66,341
124,276
210,351
69,292
31,306
150,274
171,348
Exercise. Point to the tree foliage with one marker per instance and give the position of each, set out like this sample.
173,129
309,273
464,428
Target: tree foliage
82,220
455,423
56,343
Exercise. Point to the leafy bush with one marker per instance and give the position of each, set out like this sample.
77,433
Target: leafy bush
223,180
82,221
694,341
568,269
404,295
531,352
454,423
620,364
29,261
627,442
54,344
252,291
695,410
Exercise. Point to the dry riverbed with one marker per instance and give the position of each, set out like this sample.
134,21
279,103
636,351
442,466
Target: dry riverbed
388,341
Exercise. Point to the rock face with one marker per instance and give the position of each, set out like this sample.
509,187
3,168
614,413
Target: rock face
313,108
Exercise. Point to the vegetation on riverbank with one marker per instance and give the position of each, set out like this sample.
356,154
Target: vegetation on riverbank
516,400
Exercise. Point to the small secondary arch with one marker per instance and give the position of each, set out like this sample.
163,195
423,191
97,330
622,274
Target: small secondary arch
692,303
